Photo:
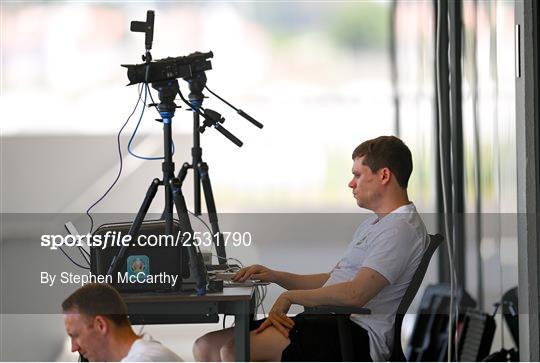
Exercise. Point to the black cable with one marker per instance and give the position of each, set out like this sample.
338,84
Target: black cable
134,133
75,263
141,87
83,254
239,111
196,109
221,99
154,104
202,221
85,251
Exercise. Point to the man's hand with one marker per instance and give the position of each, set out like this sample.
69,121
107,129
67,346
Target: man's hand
278,318
255,272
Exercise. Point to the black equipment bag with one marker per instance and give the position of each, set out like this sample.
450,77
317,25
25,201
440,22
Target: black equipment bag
429,339
476,336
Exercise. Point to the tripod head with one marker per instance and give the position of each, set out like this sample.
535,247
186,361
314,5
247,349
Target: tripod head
167,91
196,83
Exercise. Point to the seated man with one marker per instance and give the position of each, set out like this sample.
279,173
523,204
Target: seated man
96,320
374,272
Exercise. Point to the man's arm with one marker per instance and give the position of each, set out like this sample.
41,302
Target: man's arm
357,292
291,281
286,280
365,286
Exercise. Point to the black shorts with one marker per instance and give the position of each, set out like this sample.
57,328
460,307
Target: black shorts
315,338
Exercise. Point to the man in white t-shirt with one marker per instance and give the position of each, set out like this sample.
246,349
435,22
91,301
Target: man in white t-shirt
95,317
374,272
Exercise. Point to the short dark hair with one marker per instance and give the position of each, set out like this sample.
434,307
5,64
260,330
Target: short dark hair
389,152
98,299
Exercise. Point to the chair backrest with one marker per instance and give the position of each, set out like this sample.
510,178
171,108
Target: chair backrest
410,293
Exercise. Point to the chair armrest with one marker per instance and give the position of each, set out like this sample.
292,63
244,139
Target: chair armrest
337,310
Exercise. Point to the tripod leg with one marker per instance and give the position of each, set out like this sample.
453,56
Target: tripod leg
217,237
181,176
183,172
196,263
136,225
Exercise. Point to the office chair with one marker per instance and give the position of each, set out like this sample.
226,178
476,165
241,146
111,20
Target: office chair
346,343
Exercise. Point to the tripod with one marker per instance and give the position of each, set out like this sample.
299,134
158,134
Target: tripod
200,169
167,91
163,75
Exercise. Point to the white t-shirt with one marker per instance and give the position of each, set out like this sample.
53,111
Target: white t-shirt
146,349
393,246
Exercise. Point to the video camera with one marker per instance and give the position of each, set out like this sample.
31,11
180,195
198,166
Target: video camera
169,68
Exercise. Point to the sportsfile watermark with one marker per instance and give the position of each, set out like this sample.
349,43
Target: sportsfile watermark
119,239
36,275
